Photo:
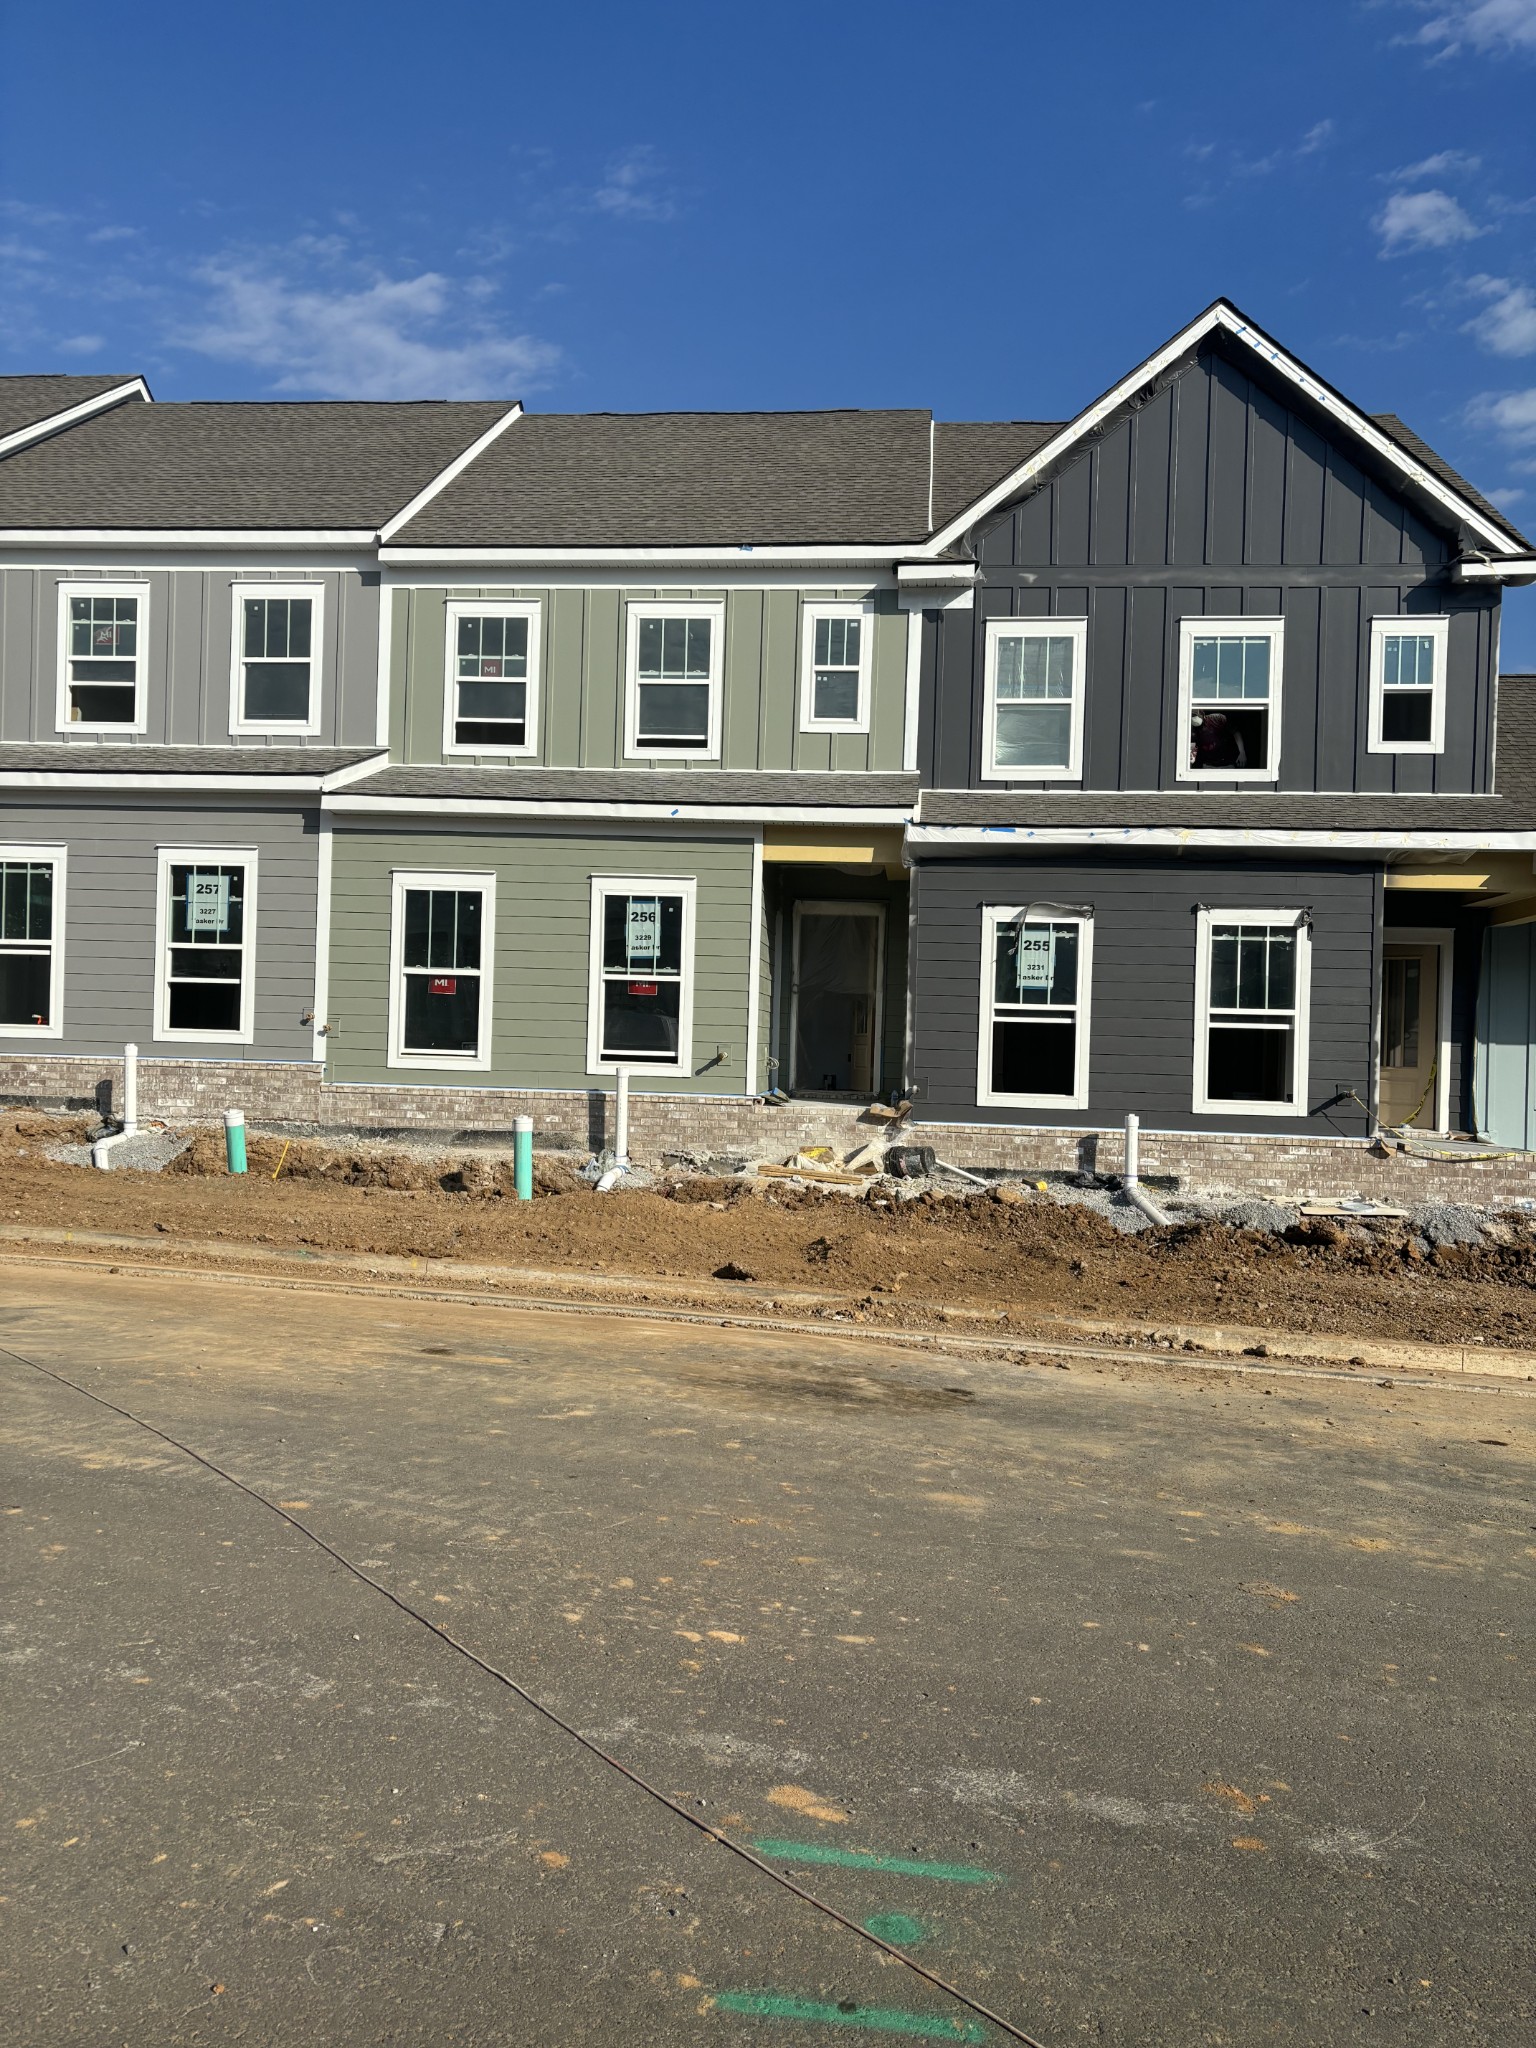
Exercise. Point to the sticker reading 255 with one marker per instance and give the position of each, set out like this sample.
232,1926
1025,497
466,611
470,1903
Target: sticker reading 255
1035,958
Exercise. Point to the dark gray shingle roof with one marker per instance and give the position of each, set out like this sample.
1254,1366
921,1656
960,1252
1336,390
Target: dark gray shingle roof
86,757
970,456
280,465
24,401
684,478
1410,442
555,786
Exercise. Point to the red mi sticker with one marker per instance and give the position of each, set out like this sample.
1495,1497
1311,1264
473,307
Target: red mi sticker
642,988
443,985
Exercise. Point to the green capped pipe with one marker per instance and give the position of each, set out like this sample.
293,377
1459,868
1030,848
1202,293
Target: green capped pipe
522,1157
234,1140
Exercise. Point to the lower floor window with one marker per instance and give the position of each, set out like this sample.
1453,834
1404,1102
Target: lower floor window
205,915
1035,982
442,944
641,994
1252,986
29,941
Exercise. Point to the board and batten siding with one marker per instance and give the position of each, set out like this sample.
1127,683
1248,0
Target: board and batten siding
188,655
109,921
1504,1086
1215,498
1142,1021
541,957
581,687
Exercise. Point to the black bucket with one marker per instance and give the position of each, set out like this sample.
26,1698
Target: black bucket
910,1162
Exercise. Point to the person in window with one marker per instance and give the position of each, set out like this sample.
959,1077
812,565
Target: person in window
1217,743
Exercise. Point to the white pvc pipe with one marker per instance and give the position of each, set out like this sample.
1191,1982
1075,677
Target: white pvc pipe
101,1150
1130,1179
621,1116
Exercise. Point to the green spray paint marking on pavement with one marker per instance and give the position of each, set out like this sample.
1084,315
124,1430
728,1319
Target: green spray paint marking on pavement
900,1929
874,2019
864,1859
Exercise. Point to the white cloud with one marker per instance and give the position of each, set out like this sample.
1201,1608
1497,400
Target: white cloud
114,234
1423,220
1509,414
1507,500
629,188
1482,25
83,345
416,337
1507,325
1446,163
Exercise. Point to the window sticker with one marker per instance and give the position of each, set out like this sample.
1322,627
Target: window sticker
207,902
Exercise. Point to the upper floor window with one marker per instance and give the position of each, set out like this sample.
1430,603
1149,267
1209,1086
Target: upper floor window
1252,986
31,940
836,651
101,656
673,688
1032,726
1229,698
276,667
207,916
1408,661
493,655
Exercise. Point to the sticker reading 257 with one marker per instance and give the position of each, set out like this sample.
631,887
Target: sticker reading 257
207,903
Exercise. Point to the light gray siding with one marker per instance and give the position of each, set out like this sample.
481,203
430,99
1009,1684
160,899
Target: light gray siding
1216,498
1504,1084
1142,1019
581,715
109,921
188,654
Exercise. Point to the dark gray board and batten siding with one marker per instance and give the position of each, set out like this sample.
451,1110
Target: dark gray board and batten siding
109,928
188,655
1142,1017
1217,498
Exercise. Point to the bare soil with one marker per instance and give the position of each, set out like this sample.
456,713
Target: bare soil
898,1263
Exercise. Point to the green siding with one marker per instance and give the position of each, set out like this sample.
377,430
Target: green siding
543,921
581,680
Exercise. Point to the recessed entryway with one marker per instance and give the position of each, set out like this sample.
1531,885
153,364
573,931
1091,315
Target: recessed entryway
834,1018
1415,1030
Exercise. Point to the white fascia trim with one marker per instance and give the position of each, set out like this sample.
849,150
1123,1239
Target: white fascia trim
855,555
1322,395
455,468
554,809
358,771
1515,568
56,422
186,536
936,575
1017,838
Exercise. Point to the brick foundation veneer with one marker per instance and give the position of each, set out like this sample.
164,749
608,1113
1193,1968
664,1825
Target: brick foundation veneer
289,1096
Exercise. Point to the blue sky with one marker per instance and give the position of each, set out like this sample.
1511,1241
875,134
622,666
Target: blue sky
993,212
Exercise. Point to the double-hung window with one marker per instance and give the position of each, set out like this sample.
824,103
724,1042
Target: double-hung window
492,681
1252,989
674,656
206,944
442,945
31,941
1229,699
1032,727
1408,658
836,652
1036,976
640,1000
276,659
101,657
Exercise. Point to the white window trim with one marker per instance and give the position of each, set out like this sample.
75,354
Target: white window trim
678,608
1390,626
1196,626
1293,919
483,883
69,727
493,608
1077,631
864,611
241,726
685,886
204,856
57,857
992,917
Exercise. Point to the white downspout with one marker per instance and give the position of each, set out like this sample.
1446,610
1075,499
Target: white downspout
130,1123
1130,1179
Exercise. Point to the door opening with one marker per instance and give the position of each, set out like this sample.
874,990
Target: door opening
1410,1035
834,1019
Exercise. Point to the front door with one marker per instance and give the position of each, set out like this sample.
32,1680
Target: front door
835,1004
1410,1035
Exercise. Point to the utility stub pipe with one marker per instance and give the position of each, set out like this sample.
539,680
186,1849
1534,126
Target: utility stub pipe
1130,1178
101,1151
522,1157
621,1116
234,1140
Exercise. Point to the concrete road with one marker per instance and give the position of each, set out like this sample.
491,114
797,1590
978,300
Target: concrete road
1156,1712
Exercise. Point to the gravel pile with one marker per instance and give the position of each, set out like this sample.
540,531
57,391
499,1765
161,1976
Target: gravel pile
147,1151
1448,1223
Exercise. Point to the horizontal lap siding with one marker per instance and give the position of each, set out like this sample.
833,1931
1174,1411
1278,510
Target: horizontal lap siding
109,958
1215,499
1142,1023
543,923
581,684
188,655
